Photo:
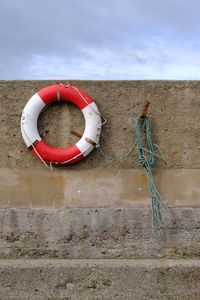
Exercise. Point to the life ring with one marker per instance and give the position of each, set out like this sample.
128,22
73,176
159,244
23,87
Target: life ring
50,154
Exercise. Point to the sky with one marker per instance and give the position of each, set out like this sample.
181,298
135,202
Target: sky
100,39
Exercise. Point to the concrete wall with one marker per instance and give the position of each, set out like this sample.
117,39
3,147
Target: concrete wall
97,182
174,110
101,208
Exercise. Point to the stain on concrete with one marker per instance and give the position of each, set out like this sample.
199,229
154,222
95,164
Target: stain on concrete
95,188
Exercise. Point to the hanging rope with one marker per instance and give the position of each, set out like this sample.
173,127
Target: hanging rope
147,158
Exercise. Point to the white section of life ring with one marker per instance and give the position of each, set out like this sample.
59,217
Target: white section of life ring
92,128
29,119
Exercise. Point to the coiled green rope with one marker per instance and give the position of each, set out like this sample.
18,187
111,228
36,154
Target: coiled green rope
142,125
147,157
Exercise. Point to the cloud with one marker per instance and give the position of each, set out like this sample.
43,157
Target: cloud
74,39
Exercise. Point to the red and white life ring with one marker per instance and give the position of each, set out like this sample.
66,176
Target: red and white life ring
46,96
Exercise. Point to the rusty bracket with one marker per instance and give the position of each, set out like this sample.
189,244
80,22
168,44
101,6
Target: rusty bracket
44,133
145,109
90,141
77,134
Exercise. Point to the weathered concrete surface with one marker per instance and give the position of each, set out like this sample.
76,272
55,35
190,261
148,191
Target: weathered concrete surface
174,109
99,279
98,233
30,188
100,208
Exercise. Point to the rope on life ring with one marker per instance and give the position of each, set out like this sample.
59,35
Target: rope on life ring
61,156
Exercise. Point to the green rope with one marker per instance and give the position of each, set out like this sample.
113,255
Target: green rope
109,157
147,158
143,125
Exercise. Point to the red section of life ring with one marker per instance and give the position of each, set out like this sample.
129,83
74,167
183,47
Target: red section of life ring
61,92
57,156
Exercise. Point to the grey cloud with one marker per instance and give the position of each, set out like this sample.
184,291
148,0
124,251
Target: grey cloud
38,35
